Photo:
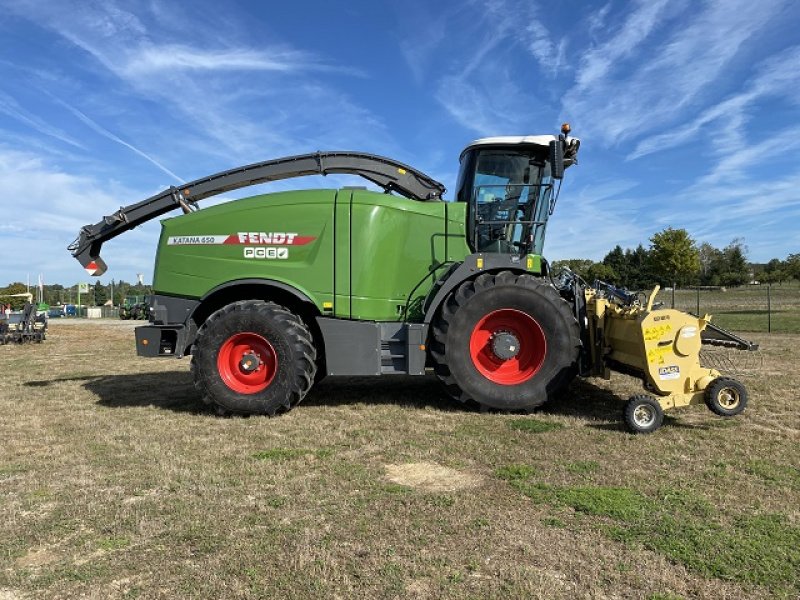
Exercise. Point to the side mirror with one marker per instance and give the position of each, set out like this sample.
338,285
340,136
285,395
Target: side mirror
556,159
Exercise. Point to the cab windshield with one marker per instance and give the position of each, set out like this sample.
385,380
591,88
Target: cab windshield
509,191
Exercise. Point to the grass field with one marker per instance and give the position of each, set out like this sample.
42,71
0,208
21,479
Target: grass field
115,482
744,308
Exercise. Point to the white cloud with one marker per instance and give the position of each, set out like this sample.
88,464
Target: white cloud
485,110
777,76
591,219
670,75
152,59
483,91
10,107
56,205
198,85
114,138
539,41
640,22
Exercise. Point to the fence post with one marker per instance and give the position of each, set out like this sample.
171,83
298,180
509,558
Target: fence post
769,308
673,294
698,300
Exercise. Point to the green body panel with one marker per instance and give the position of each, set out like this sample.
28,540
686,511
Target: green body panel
341,302
396,245
202,250
356,254
457,246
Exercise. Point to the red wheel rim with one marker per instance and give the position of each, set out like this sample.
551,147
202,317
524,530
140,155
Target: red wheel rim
531,353
247,363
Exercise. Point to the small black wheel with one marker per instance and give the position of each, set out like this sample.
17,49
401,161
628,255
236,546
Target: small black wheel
643,414
253,357
726,397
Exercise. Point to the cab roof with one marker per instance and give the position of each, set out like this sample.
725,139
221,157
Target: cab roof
512,140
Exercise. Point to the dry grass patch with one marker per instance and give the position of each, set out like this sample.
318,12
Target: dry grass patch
430,477
117,482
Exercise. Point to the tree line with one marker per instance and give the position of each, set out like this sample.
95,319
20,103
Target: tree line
56,294
673,257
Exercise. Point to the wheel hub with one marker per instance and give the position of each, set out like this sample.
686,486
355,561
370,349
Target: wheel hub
247,362
505,345
644,415
250,362
728,398
508,346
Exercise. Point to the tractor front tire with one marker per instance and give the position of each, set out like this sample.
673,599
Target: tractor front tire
643,414
726,397
253,357
506,341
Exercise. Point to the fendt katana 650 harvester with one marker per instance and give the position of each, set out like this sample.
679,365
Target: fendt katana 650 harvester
272,292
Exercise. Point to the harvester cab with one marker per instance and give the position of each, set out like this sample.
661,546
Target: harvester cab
509,184
361,282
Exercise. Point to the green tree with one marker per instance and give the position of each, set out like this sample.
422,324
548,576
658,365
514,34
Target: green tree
53,294
774,272
6,295
640,272
791,266
617,262
100,293
579,266
710,264
603,272
736,270
674,256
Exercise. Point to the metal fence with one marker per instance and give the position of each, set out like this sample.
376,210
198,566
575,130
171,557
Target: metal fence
95,312
766,308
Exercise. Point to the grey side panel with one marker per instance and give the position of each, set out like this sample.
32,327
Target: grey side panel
370,348
393,348
351,347
160,340
416,334
169,310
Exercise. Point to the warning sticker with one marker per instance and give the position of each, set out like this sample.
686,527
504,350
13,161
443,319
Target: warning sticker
670,372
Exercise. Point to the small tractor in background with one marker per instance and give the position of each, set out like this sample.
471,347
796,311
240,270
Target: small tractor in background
134,308
273,292
22,326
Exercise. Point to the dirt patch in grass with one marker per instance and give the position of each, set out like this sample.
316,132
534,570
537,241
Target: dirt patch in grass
430,477
37,558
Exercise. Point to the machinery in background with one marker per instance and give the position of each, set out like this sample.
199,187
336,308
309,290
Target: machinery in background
22,326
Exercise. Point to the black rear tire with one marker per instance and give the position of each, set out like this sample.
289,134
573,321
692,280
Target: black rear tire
726,397
544,317
290,359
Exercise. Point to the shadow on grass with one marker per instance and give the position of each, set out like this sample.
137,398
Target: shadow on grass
585,400
173,390
602,407
168,390
412,392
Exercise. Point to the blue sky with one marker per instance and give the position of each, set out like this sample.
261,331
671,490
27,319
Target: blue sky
689,112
